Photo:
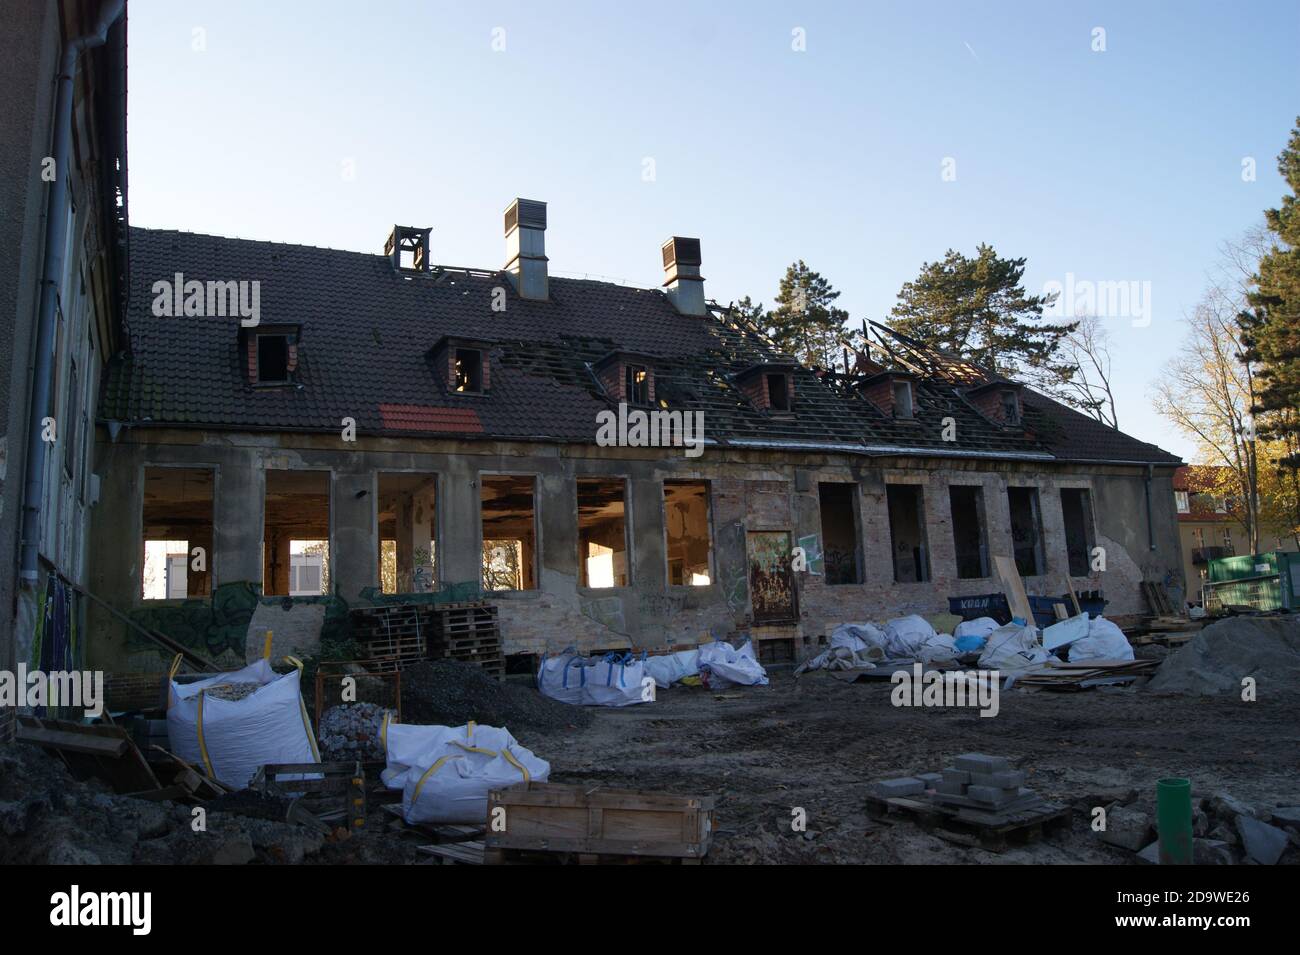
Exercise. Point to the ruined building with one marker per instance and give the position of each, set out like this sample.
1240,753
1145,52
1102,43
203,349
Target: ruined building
379,423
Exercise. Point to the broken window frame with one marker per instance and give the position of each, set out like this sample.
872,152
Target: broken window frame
921,554
636,392
1078,562
708,523
904,410
533,566
1010,407
1036,517
469,381
981,526
781,381
210,555
583,578
855,505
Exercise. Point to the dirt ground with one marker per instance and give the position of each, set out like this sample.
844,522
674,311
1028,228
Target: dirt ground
817,743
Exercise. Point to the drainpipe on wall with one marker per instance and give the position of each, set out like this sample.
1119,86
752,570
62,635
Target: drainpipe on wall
1151,530
56,222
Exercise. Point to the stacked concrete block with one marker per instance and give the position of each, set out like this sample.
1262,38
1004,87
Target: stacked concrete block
906,786
984,782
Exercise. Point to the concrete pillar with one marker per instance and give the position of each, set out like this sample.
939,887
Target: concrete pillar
237,521
555,500
461,544
649,555
354,546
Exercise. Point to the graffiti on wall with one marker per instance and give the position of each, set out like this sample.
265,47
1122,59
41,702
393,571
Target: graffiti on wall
771,581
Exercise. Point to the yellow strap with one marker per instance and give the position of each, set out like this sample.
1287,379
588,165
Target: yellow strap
517,765
383,732
294,661
203,749
176,665
469,730
306,725
266,649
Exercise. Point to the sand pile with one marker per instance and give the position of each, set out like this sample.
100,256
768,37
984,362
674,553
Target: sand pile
1218,658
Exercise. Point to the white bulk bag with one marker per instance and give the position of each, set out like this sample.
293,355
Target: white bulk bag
939,648
979,627
1105,641
562,677
668,668
615,680
865,641
1013,647
230,739
904,636
725,665
450,780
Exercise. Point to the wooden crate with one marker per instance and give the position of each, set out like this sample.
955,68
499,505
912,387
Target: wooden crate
596,822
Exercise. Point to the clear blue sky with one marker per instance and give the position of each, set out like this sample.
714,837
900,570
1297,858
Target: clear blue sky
1115,165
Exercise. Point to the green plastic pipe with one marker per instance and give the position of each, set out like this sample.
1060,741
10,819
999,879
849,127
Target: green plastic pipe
1174,820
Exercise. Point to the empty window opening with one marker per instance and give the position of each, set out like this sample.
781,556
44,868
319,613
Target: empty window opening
636,385
177,533
509,511
295,534
602,533
272,359
1010,407
686,529
1026,531
903,399
969,542
1076,508
469,370
907,533
841,557
408,528
778,393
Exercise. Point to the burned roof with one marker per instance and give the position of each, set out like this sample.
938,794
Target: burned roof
367,331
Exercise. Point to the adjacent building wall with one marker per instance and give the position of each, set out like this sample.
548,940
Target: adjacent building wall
749,491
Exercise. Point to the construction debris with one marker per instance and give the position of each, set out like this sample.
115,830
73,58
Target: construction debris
451,693
1220,657
353,731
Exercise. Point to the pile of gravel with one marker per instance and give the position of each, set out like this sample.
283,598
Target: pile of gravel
352,731
450,693
1216,659
234,692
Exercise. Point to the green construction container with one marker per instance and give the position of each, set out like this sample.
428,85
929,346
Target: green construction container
1224,569
1288,565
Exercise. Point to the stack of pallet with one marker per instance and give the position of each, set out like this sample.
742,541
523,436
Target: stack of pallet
468,632
393,637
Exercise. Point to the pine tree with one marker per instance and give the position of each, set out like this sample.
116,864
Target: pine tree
805,322
1271,327
978,309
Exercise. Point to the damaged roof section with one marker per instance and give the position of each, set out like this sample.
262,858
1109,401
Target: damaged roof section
367,332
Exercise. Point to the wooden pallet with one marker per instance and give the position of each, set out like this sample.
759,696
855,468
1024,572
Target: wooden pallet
1158,597
456,853
994,831
592,824
345,779
543,857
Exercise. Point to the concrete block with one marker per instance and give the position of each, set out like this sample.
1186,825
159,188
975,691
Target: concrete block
1127,828
992,796
1263,843
1211,852
907,786
947,788
979,763
956,776
1286,816
1012,779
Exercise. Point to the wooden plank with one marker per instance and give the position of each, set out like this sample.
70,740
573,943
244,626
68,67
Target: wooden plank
1074,598
164,641
1014,588
73,742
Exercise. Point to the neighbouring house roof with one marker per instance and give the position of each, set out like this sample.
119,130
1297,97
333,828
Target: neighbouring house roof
368,331
1199,482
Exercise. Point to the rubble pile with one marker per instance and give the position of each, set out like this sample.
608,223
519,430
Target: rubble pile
233,692
1218,658
352,731
452,693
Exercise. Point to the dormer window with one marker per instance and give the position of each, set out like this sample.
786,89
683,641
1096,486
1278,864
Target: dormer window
778,392
636,384
271,353
468,371
903,400
999,401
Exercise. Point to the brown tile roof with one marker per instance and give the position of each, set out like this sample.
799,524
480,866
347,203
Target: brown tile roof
367,333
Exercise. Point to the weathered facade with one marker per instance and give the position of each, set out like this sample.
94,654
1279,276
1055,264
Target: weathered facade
62,258
433,428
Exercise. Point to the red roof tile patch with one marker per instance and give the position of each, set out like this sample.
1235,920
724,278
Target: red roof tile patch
425,418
